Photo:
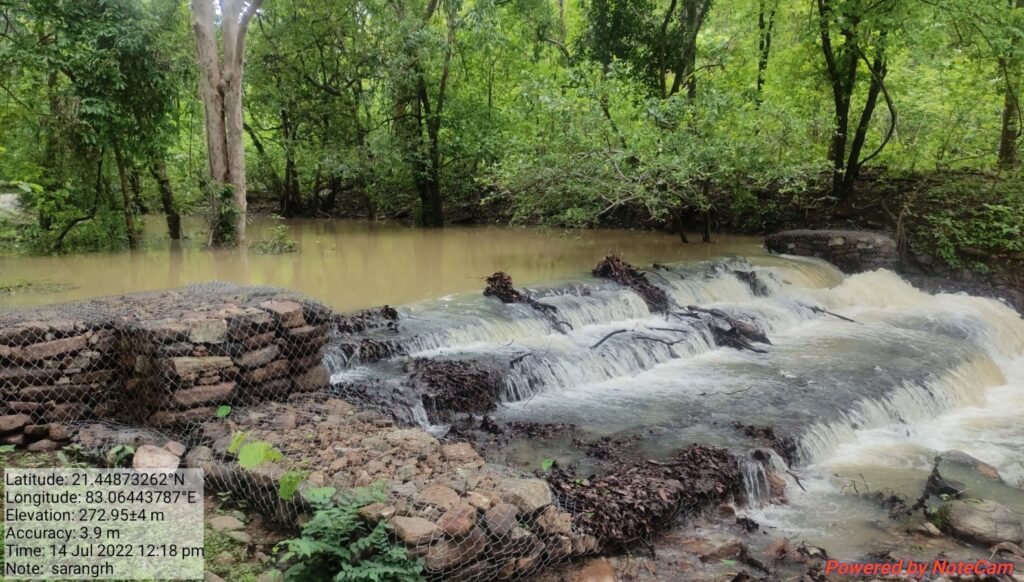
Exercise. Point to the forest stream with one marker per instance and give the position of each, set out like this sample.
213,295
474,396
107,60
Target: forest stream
862,379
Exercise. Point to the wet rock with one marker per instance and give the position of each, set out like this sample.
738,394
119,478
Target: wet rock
414,531
928,528
460,453
961,458
448,554
983,522
459,520
527,495
596,570
149,457
725,551
240,536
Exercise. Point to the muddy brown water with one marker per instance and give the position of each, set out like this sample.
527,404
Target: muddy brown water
348,264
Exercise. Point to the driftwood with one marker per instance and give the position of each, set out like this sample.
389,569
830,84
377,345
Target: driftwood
499,286
614,268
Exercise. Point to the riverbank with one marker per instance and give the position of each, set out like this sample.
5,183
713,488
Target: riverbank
578,404
964,226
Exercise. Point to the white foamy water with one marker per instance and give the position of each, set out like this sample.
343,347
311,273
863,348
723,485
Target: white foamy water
868,375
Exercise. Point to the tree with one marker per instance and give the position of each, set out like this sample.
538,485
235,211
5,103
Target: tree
658,40
863,28
220,87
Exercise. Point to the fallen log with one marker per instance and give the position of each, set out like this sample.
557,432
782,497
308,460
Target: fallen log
614,268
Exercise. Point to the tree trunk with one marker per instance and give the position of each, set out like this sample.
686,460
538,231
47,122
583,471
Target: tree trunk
1012,111
135,181
159,172
765,26
126,198
220,86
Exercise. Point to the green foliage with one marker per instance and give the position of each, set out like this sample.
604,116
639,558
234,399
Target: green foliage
288,484
222,411
336,544
254,454
279,242
224,217
118,455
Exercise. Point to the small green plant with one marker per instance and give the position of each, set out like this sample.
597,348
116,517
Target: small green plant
289,483
119,455
279,242
223,231
223,411
336,544
546,465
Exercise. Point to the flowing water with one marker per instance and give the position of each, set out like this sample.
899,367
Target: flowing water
869,402
869,397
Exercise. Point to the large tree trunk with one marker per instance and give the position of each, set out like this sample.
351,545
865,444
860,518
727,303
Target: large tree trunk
159,173
126,198
220,86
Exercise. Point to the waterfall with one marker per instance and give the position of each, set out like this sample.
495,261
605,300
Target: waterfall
848,354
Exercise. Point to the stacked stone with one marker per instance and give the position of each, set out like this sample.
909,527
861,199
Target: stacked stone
852,251
185,368
52,373
158,359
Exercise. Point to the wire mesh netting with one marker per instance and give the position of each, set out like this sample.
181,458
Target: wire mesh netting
190,375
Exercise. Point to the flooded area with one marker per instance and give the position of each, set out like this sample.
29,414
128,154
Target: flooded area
348,264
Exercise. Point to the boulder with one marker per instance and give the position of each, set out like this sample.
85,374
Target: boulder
500,519
982,522
149,457
13,422
447,554
963,459
527,495
414,531
439,496
287,313
459,520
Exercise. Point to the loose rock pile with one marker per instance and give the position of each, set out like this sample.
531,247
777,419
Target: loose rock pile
464,518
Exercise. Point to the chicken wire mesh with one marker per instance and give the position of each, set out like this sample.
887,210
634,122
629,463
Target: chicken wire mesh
191,375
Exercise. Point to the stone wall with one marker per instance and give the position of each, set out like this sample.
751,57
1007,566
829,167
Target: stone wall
157,359
851,251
